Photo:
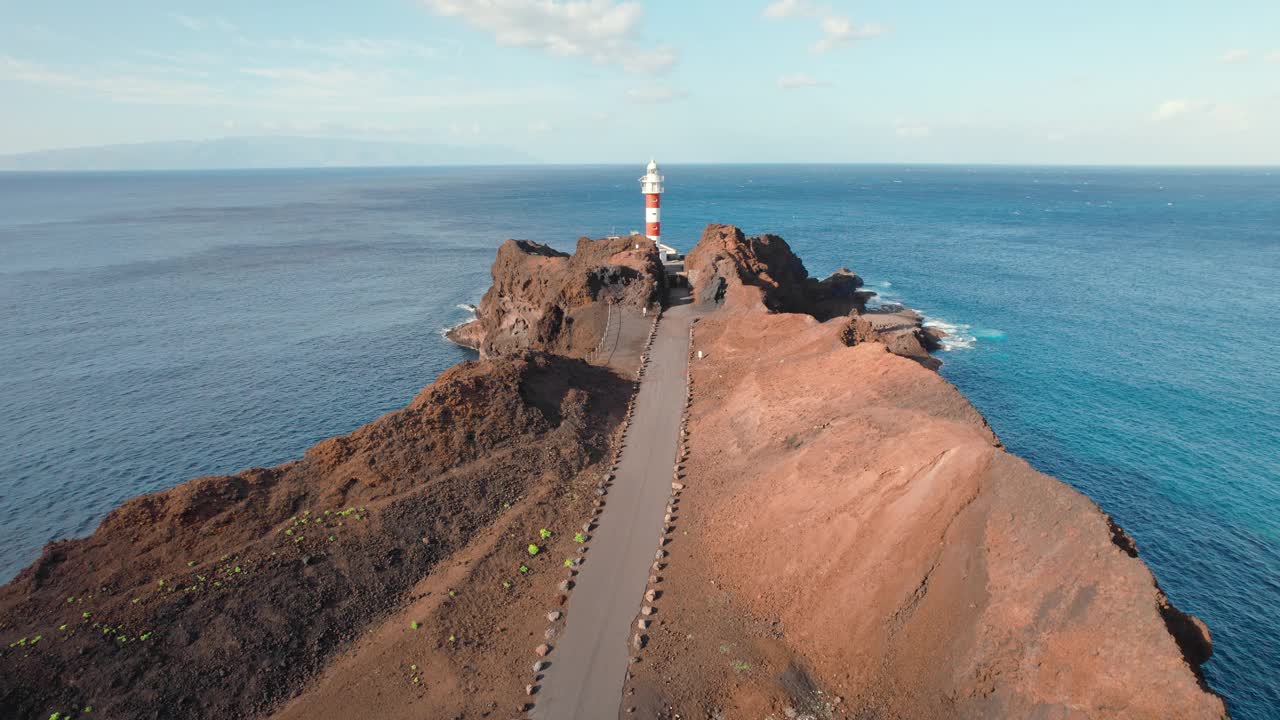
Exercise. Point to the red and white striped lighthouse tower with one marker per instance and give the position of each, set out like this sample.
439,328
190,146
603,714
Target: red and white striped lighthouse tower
651,186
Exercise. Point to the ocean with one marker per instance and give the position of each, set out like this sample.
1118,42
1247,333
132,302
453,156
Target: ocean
1112,324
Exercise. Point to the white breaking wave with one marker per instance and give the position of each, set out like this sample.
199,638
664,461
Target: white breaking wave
471,316
959,335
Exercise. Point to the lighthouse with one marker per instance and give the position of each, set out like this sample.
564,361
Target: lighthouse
651,186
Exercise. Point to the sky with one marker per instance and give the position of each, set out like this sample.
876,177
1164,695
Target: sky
602,81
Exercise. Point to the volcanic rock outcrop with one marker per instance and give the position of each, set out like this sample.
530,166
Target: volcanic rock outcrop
544,299
218,598
762,270
853,541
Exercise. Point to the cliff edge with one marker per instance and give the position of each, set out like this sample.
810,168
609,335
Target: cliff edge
226,596
853,541
545,299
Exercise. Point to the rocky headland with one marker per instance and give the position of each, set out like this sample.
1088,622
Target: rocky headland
851,541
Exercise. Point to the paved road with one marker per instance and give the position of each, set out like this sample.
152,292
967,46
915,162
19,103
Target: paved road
589,664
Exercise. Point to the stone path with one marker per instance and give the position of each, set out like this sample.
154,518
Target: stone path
587,667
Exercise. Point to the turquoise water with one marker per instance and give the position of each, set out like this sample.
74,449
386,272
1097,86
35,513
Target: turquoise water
1112,324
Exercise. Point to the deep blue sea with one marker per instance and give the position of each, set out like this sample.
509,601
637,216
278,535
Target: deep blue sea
1114,325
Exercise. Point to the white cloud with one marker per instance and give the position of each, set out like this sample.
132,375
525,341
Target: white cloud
788,8
1273,56
327,128
351,48
799,80
297,89
1170,109
200,24
912,130
130,87
1207,116
1233,57
837,30
651,61
654,95
604,31
464,130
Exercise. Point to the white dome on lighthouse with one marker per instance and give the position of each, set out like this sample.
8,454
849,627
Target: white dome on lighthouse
653,166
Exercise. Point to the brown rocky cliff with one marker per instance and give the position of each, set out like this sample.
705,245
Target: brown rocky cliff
544,299
745,272
853,541
220,597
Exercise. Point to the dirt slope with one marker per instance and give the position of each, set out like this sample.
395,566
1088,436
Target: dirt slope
219,598
854,542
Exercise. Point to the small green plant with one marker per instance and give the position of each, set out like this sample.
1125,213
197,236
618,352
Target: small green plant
160,583
506,583
568,562
524,568
145,635
237,568
452,639
86,615
62,626
415,624
453,593
579,538
740,666
413,668
534,549
191,563
545,533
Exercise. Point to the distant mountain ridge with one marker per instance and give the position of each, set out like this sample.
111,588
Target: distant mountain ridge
258,152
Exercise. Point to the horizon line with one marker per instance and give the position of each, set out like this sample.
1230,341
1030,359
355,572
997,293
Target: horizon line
739,163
